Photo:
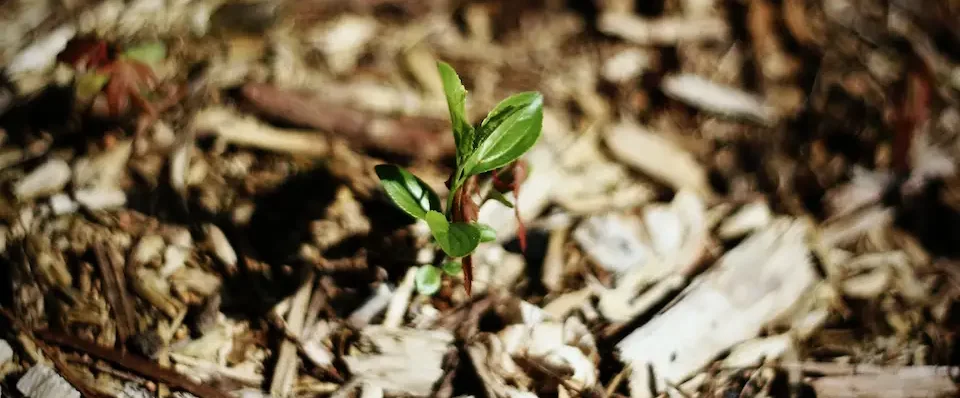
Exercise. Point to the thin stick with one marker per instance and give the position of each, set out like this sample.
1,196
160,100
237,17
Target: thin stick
286,369
115,290
138,365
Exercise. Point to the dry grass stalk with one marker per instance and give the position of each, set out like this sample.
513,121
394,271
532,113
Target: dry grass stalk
285,371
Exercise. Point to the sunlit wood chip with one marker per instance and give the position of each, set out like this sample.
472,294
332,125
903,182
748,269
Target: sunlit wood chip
868,285
899,382
41,381
626,64
663,31
6,352
657,157
750,286
752,352
402,361
702,93
612,242
47,179
747,219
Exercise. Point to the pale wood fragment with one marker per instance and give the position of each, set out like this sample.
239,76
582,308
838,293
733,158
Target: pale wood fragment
750,286
403,361
665,30
711,97
41,381
248,131
910,382
286,370
656,156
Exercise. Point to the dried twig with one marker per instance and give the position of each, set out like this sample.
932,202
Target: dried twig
114,280
142,366
286,369
420,137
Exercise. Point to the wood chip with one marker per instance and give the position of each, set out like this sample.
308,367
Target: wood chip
285,371
658,158
909,382
404,361
751,285
613,242
247,131
47,179
664,31
714,98
749,218
41,381
6,352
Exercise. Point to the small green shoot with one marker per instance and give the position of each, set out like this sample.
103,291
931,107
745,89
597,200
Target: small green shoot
150,53
452,268
407,191
497,144
456,239
428,279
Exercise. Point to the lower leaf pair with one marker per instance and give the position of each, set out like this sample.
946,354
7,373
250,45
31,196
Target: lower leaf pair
428,278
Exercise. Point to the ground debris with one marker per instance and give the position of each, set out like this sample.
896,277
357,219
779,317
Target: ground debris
777,262
400,361
916,381
754,198
41,381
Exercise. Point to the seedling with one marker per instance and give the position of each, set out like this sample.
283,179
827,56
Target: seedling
124,77
491,151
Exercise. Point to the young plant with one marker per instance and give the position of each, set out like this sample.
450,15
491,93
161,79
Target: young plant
490,151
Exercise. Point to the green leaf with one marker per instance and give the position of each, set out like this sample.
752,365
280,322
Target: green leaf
428,279
408,192
499,197
452,268
493,120
487,233
456,101
456,239
500,113
90,84
512,135
151,53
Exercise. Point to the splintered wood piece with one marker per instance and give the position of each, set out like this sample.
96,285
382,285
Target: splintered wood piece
249,132
658,158
136,364
400,300
404,361
114,279
47,179
41,381
708,96
752,285
664,31
286,370
612,242
414,136
908,382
